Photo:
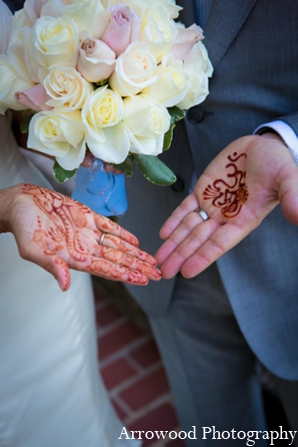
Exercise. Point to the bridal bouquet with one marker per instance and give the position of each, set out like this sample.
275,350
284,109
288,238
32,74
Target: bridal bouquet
105,76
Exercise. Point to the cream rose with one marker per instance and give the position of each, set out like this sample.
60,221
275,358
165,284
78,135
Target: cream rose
158,31
172,82
10,83
89,15
170,6
67,89
199,54
134,70
19,20
198,68
21,57
96,61
55,41
106,135
60,135
147,121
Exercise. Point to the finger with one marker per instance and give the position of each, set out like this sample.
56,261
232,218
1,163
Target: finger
181,253
108,270
220,242
187,206
186,226
108,226
118,257
288,186
50,262
115,242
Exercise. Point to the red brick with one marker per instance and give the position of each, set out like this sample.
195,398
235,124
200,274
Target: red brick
107,315
176,443
115,340
162,418
121,413
117,372
146,355
146,390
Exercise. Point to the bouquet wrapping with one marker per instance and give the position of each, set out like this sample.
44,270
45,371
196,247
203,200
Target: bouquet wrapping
108,77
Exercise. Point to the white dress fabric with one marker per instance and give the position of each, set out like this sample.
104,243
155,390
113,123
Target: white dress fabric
51,394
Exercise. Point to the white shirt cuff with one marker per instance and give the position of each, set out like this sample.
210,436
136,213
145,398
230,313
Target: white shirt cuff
286,133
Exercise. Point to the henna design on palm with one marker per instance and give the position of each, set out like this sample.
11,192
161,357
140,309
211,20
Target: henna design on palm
120,260
229,197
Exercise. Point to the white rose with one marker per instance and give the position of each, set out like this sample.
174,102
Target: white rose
199,54
172,82
158,31
106,135
19,20
134,70
55,41
67,88
198,68
21,57
10,83
60,135
198,90
89,15
147,121
170,6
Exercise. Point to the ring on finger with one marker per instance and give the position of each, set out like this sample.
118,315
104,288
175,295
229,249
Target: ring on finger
202,213
101,239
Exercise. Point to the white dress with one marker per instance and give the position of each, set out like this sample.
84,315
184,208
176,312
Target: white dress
51,394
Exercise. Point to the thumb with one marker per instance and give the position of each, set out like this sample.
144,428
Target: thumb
53,264
288,192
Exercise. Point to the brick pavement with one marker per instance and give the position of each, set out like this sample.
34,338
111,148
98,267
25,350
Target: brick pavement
133,373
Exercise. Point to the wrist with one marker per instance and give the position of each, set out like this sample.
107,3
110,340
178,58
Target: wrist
7,197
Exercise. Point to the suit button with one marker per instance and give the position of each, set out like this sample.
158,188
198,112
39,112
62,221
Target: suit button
196,114
178,186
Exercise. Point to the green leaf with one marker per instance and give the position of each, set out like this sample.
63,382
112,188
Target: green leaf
101,83
127,167
176,115
60,174
154,170
24,126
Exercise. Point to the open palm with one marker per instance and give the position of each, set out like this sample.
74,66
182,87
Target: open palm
58,233
238,189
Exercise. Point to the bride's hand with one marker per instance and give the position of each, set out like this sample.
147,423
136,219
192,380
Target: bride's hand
58,233
238,189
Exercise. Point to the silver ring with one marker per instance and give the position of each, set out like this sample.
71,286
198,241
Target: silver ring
203,214
101,239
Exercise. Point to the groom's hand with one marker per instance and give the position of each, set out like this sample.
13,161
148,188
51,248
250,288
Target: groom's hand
239,188
59,233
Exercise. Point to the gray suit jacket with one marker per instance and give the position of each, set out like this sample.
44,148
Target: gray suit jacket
253,46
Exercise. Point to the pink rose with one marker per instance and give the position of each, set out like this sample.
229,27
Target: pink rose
124,28
185,40
32,9
34,98
96,60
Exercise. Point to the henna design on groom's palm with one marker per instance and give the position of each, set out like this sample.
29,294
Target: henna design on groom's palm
230,197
